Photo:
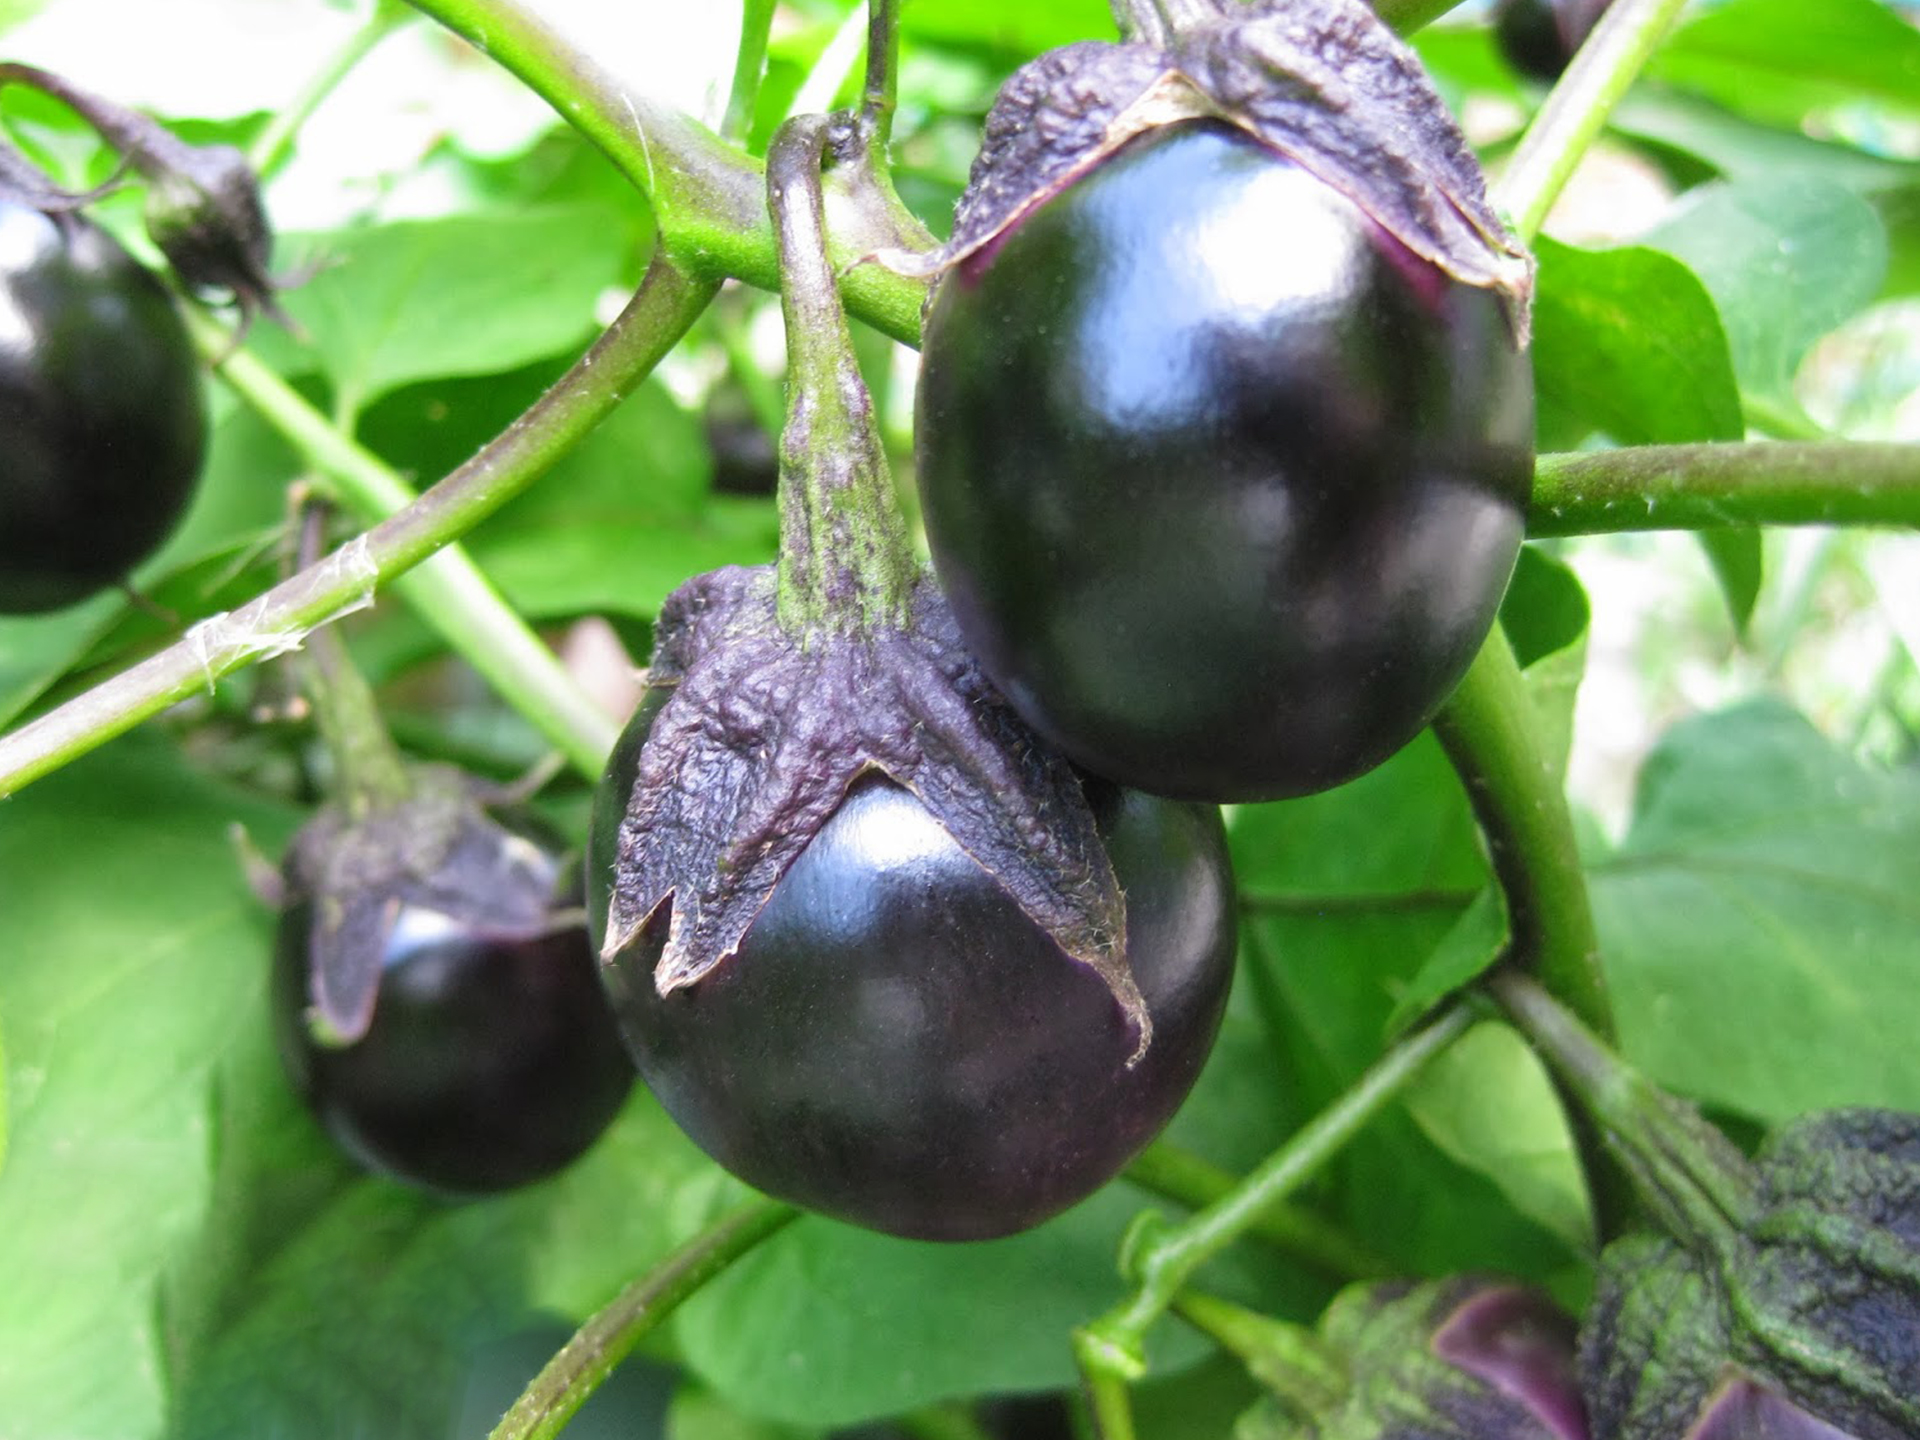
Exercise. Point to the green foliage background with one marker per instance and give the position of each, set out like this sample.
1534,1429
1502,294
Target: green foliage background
182,1256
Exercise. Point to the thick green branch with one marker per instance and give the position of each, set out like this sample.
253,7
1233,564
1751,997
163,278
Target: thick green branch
277,621
1492,735
609,1336
1694,487
709,197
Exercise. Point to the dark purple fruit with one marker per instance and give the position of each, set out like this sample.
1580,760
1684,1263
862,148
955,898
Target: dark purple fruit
1539,37
102,419
489,1058
1224,483
897,1045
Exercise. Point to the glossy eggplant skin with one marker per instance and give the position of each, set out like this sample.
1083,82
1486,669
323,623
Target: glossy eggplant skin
491,1060
1224,484
896,1045
1539,37
102,417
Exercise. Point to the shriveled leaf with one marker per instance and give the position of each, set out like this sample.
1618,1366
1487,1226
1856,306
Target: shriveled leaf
758,739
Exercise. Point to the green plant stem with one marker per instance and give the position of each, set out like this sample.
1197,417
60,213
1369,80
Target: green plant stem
1113,1345
709,198
1577,108
369,774
749,69
272,145
573,1374
1699,1185
277,621
1493,737
880,94
1691,487
844,555
1176,1175
448,590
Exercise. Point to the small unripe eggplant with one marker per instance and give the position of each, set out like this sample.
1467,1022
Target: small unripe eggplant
1803,1323
1469,1357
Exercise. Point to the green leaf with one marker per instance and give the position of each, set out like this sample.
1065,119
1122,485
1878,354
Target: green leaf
1346,896
364,1313
1786,259
134,955
471,295
1627,343
1758,919
828,1325
623,519
36,650
1487,1102
1735,554
1465,953
1743,149
1546,615
1780,59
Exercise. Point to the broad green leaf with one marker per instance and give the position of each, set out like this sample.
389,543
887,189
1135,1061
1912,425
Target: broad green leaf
1758,919
623,519
1347,894
1545,614
1780,59
1786,259
1734,552
134,955
1488,1103
1013,26
363,1314
1627,343
1743,149
829,1325
1464,953
470,295
36,650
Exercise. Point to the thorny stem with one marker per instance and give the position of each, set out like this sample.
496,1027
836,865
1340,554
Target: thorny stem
1577,108
844,554
369,772
1111,1348
278,620
709,198
749,69
562,1387
1691,487
271,147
